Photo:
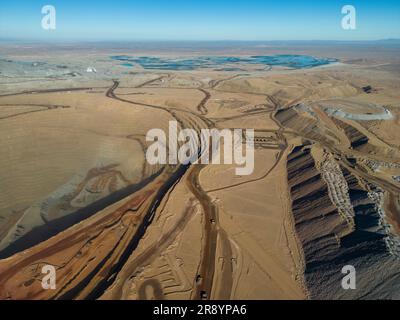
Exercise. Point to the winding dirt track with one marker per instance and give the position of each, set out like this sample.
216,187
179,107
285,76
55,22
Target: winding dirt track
41,108
207,264
201,107
99,276
50,91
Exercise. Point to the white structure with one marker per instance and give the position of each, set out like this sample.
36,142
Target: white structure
91,69
339,113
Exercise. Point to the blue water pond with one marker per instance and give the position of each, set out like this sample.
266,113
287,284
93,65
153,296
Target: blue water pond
158,63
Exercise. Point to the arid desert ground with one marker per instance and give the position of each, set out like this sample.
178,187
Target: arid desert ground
77,193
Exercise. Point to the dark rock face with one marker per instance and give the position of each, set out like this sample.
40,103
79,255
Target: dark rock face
329,242
356,138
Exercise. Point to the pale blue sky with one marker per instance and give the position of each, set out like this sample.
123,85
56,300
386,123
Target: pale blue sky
200,20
